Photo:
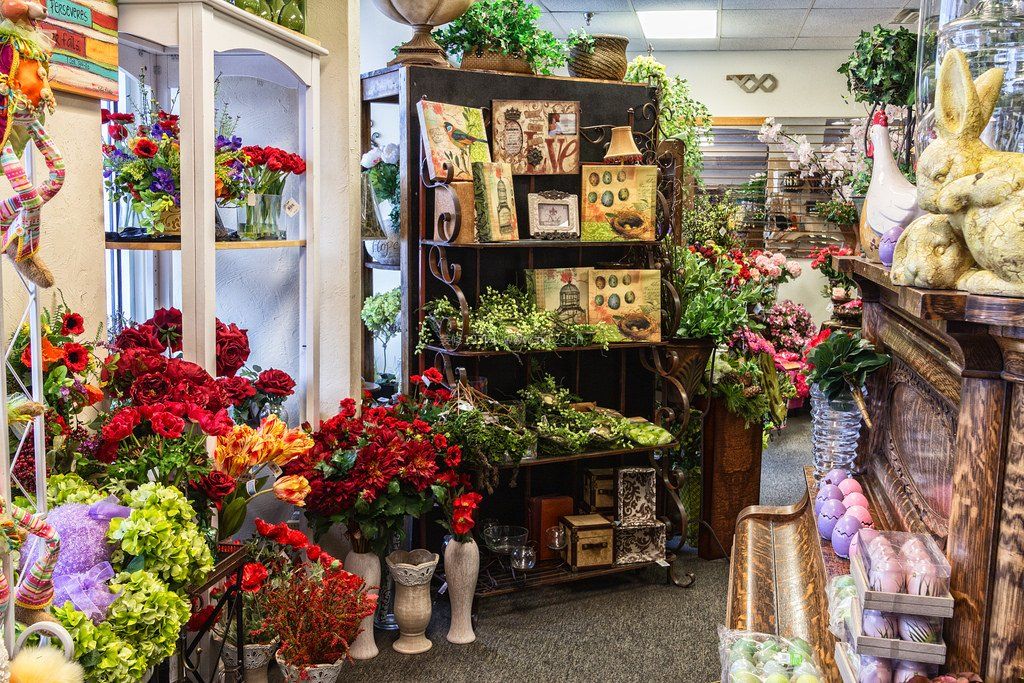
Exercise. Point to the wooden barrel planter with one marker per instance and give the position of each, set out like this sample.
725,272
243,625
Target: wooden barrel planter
607,61
488,60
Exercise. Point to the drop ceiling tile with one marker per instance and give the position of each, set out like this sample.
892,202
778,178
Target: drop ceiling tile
709,44
621,23
549,23
844,22
824,43
756,43
863,4
761,23
586,5
655,5
766,4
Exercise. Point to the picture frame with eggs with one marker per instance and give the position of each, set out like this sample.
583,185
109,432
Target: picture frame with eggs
627,303
619,203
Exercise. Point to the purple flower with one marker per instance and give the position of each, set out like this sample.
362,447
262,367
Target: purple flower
164,181
233,143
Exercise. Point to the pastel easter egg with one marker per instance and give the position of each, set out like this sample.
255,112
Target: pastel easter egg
826,492
741,665
806,678
923,579
860,513
830,513
851,485
846,528
835,476
874,670
886,575
887,244
861,540
919,629
805,669
775,678
914,548
877,624
880,547
776,667
906,670
855,498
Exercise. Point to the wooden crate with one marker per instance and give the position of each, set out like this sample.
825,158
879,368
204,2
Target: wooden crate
897,603
890,648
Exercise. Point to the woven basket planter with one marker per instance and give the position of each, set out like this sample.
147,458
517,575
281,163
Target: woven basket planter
494,61
607,62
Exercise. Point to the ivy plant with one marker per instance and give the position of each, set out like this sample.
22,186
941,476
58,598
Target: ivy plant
882,68
508,27
381,315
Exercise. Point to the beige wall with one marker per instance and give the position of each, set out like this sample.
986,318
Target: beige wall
72,223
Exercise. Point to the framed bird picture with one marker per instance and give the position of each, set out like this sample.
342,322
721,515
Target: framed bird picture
619,203
452,134
537,137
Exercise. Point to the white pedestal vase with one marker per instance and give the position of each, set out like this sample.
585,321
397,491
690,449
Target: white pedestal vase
365,565
461,567
320,673
412,571
255,657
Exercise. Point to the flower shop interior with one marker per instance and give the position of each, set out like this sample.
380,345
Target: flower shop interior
512,340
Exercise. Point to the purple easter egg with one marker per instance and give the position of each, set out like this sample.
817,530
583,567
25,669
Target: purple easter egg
923,579
874,670
887,245
826,492
862,514
887,575
844,531
855,498
906,670
835,476
830,513
919,629
851,485
877,624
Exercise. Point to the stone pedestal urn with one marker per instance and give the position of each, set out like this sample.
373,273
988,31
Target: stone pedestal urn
461,567
412,571
365,565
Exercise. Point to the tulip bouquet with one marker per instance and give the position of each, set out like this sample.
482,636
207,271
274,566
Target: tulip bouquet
266,171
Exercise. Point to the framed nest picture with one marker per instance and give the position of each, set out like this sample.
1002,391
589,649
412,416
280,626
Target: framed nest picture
537,137
554,215
619,203
627,303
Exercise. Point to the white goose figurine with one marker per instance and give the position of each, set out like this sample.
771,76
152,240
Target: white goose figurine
891,202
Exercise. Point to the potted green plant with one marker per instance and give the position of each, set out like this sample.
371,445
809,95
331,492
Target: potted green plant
843,215
599,56
382,316
381,199
502,35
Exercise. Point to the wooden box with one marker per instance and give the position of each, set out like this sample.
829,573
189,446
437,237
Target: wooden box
637,496
897,603
599,489
890,648
443,204
590,541
546,512
635,544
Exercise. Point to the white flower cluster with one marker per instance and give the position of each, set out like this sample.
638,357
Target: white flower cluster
387,154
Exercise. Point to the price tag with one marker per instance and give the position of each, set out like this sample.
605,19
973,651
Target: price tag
291,207
250,487
443,589
664,564
274,469
250,199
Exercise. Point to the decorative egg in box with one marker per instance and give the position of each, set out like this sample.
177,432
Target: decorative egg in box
862,540
919,629
874,670
844,531
830,513
886,575
826,492
877,624
923,579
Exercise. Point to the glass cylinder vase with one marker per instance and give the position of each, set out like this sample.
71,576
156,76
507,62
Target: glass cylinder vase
835,425
259,218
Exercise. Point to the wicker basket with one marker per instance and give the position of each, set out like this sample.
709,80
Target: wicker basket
487,60
607,61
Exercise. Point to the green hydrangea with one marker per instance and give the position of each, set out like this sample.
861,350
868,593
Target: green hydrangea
147,614
105,656
70,488
161,531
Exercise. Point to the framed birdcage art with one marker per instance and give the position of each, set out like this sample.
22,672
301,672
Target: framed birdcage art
554,215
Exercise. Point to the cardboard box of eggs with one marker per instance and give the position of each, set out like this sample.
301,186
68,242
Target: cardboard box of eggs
750,657
841,510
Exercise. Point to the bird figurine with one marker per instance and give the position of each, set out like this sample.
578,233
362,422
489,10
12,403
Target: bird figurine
891,202
459,137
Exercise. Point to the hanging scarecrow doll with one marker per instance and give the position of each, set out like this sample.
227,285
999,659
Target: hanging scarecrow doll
25,99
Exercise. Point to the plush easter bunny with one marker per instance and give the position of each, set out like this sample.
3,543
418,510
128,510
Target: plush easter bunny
25,96
974,241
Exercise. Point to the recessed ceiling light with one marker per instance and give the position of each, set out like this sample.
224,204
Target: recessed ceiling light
684,24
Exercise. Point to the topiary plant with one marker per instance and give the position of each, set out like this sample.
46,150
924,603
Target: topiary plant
508,27
882,68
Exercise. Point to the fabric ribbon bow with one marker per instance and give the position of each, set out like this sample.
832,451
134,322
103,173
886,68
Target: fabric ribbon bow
88,591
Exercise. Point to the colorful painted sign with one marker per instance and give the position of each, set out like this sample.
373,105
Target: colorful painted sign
84,34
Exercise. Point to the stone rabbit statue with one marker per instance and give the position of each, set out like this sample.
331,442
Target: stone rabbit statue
973,237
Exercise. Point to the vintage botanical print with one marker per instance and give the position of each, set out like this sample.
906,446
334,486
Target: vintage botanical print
626,303
495,202
619,202
537,137
453,134
562,290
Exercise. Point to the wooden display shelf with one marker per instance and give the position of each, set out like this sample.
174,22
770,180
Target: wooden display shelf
502,582
539,244
152,245
559,349
549,460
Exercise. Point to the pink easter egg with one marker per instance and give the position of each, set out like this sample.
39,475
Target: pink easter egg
919,629
835,476
923,579
851,485
830,513
907,670
880,546
855,498
862,514
877,624
843,533
860,542
874,670
886,575
914,548
826,492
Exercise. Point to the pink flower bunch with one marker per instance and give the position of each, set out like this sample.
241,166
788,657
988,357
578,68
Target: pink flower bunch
788,325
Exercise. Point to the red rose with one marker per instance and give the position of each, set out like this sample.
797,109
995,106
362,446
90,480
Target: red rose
298,165
72,324
236,388
253,576
116,131
213,424
107,452
149,389
136,362
275,383
232,349
263,528
145,148
167,425
121,424
296,539
433,375
76,357
200,617
255,154
167,322
139,337
313,552
216,485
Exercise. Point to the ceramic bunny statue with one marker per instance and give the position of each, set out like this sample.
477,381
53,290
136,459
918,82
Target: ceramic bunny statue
974,239
25,96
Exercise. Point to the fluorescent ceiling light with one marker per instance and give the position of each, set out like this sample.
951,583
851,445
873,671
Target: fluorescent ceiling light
684,24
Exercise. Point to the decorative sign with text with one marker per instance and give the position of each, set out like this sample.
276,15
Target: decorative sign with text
84,36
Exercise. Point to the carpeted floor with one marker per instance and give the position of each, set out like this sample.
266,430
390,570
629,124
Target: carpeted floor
630,627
